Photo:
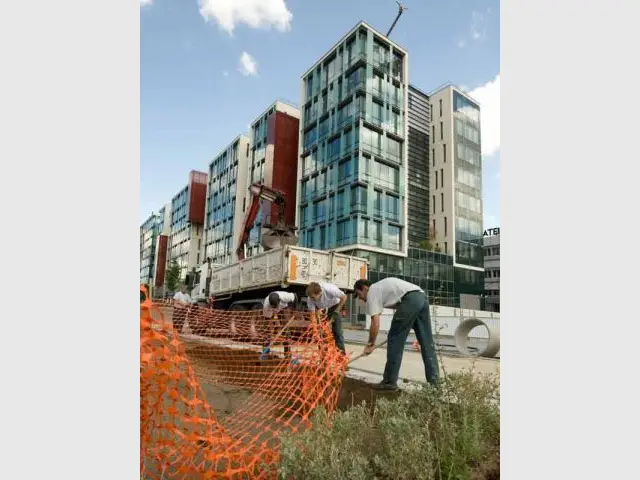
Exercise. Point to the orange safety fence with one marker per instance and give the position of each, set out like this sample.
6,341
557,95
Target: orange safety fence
217,388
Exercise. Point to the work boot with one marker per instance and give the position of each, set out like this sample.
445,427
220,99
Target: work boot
385,387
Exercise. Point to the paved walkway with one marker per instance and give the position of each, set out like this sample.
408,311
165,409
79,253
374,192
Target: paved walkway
370,368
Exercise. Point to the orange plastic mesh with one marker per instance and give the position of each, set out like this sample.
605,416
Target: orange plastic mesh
212,404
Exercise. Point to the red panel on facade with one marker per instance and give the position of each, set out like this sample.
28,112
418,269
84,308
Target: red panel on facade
197,197
282,133
161,261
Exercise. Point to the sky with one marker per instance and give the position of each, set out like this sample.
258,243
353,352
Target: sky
208,68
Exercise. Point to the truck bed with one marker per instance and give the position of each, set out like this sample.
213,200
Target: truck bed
286,266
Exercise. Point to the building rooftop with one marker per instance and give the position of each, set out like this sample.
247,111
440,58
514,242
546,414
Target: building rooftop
455,87
361,23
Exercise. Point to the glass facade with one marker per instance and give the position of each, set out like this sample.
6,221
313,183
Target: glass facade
148,235
180,238
259,141
221,202
418,201
352,188
431,271
468,182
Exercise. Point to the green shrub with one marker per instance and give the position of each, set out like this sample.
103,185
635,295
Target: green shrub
450,434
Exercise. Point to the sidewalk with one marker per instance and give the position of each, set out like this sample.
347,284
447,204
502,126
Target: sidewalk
370,368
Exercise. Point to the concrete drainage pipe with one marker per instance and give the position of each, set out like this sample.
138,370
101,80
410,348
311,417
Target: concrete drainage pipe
462,338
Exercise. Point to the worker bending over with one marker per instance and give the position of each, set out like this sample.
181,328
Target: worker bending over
321,296
276,306
411,311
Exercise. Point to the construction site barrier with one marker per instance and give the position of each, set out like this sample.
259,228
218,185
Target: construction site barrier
218,388
461,337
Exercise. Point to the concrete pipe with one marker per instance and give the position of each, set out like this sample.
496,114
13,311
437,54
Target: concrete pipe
462,338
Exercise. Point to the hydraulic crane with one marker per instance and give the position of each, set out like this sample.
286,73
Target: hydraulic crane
276,235
401,9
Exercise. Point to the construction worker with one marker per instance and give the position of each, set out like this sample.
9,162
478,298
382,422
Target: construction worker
326,296
181,305
275,306
411,311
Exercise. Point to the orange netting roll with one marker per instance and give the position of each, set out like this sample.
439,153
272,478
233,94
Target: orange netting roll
217,388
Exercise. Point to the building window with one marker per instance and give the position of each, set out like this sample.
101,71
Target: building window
496,273
445,226
436,180
445,243
442,206
441,131
444,152
323,241
441,178
440,107
487,274
433,132
433,157
434,203
434,228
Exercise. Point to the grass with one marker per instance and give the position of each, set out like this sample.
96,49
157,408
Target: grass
447,434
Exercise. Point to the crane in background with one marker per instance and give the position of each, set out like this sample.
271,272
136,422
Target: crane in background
276,235
401,10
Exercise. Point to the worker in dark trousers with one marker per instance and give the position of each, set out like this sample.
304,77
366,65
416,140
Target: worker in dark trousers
411,311
326,296
278,307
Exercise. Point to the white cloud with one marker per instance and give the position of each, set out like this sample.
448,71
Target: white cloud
477,30
145,2
248,66
488,95
254,13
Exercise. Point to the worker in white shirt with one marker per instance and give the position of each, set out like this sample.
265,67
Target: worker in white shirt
278,307
411,311
181,304
326,296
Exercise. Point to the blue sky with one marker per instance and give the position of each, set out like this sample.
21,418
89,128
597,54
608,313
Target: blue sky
209,67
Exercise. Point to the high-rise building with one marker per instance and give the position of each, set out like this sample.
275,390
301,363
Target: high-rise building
148,239
153,247
418,167
227,189
187,224
274,163
456,187
162,245
353,150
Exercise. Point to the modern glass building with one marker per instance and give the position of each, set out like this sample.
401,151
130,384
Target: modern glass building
274,163
226,192
148,235
353,149
187,223
456,186
418,167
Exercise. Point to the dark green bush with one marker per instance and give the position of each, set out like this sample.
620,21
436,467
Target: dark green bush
451,434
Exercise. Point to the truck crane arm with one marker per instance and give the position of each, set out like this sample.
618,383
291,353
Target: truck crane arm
261,192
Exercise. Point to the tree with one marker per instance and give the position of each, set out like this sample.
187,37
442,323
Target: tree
173,276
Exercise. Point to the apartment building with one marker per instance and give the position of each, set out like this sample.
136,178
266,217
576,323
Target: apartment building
491,244
353,150
226,194
148,239
455,186
419,114
273,162
187,224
